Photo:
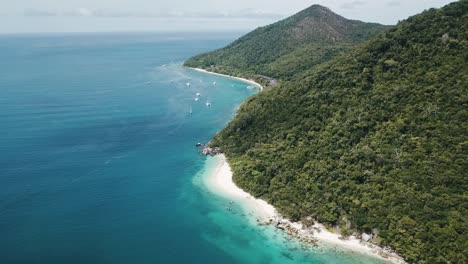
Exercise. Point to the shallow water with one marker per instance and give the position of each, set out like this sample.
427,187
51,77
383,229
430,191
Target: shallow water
98,163
248,242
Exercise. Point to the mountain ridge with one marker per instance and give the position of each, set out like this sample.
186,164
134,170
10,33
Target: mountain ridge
315,34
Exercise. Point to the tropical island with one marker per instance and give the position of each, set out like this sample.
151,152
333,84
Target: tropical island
361,127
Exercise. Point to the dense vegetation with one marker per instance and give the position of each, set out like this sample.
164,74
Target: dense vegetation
292,45
372,141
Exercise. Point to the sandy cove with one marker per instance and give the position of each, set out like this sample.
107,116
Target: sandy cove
220,182
232,77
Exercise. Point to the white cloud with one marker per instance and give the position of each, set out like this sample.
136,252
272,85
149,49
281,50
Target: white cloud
393,3
110,13
137,15
79,12
84,12
31,12
352,5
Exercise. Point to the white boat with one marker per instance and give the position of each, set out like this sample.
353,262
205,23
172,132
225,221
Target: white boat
198,94
214,83
208,104
188,84
196,99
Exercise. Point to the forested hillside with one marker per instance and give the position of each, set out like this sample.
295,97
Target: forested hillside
373,141
287,47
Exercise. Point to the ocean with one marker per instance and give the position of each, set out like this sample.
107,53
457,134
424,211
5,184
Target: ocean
98,162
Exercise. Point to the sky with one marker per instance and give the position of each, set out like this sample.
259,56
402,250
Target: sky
40,16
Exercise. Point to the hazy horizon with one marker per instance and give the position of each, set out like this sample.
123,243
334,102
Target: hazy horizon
140,16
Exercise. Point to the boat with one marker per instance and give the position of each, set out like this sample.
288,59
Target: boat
214,83
190,112
188,84
198,94
208,104
196,99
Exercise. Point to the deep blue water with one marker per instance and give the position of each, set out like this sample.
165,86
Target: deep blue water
97,156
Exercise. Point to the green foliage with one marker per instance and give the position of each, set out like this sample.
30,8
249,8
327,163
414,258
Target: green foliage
292,45
376,136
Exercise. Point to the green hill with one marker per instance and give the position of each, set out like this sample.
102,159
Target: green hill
373,141
282,49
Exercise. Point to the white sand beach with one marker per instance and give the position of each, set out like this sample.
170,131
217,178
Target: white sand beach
233,77
220,182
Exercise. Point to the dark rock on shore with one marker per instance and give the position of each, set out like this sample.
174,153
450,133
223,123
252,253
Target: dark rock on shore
211,151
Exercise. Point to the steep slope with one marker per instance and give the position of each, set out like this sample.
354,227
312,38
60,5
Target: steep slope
282,49
374,141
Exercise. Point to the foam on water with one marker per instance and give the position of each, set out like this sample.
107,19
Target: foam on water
248,242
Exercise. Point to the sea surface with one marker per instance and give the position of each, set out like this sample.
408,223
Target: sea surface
98,162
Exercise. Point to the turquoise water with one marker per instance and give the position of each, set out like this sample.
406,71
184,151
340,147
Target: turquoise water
98,163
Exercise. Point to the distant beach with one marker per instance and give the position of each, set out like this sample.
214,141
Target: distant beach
229,76
220,182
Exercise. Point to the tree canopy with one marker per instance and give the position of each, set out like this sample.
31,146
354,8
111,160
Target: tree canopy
373,140
282,49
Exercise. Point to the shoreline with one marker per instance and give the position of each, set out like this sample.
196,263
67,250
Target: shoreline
230,76
219,181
